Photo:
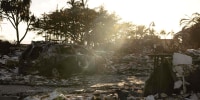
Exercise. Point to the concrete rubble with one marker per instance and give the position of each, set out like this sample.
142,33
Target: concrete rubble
122,78
116,80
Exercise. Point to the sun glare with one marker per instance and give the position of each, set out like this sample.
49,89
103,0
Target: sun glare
165,14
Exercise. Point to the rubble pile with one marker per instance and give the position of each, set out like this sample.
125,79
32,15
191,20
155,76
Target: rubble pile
132,64
59,60
108,83
183,74
187,71
51,71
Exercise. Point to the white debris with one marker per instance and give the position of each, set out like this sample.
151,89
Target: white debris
79,97
31,98
163,95
150,97
16,70
194,52
130,98
179,70
18,53
194,97
178,84
128,57
2,61
7,78
6,57
14,58
54,95
181,59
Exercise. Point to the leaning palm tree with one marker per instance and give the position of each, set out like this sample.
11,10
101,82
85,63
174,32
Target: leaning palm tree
190,21
191,29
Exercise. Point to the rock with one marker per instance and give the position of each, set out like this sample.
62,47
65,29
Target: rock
150,97
3,61
193,52
122,94
179,70
131,98
55,95
163,95
178,84
194,97
31,98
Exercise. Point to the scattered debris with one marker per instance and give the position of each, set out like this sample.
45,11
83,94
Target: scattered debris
68,72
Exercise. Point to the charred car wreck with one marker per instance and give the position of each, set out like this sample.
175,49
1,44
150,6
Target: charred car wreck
59,60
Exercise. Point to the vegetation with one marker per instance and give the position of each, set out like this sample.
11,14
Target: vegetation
95,27
188,37
17,11
78,25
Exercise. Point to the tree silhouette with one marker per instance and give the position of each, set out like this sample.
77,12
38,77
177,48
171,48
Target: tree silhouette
78,24
191,30
190,21
125,30
17,11
141,31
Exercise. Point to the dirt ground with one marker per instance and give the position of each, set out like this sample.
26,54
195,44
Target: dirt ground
87,84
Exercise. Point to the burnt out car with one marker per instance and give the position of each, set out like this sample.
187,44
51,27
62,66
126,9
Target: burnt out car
59,60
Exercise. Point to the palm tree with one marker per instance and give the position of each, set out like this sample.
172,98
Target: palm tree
190,21
191,29
141,31
163,33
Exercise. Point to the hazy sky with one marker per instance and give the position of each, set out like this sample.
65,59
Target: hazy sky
166,14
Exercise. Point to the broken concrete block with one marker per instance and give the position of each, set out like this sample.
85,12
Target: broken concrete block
179,70
54,95
193,52
181,59
194,97
2,61
150,97
178,84
31,98
163,95
5,57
